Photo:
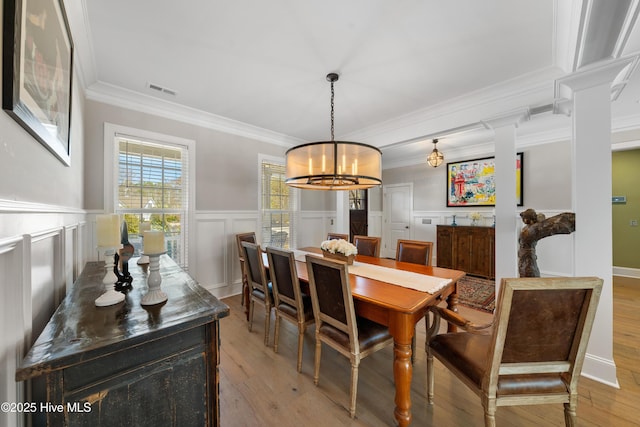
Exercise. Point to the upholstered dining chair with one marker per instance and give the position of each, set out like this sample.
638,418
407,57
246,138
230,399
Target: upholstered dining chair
414,251
535,351
244,237
260,289
289,301
336,322
367,245
337,236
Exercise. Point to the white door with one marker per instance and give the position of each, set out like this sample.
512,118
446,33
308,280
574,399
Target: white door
397,212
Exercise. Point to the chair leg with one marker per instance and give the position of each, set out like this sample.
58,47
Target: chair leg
267,323
489,413
413,348
354,388
276,333
316,368
300,346
570,417
251,307
430,378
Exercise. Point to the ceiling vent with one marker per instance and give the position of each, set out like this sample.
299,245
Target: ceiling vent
161,89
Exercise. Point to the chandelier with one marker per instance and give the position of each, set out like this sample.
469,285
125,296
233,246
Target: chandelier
435,158
333,165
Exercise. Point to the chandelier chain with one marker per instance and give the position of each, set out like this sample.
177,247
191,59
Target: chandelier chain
332,96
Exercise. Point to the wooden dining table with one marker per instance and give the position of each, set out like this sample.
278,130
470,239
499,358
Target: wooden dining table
400,309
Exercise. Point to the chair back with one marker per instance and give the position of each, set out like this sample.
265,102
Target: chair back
542,327
367,245
332,301
254,268
284,278
414,251
244,237
337,236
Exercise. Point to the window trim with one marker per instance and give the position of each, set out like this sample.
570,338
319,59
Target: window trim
295,214
111,132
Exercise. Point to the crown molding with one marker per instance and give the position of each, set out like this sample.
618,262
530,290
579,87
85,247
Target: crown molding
124,98
528,90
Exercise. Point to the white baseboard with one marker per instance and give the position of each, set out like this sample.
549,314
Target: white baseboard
626,272
601,370
221,292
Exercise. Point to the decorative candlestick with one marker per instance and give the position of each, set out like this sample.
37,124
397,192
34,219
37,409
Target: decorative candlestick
155,294
153,248
144,226
108,236
454,220
110,295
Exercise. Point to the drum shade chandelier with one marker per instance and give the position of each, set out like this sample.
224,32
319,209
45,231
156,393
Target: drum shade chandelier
435,158
334,165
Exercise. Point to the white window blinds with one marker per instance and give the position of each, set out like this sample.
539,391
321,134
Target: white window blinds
278,207
153,186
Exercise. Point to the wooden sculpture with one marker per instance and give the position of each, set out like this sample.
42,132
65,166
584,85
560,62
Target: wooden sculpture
538,227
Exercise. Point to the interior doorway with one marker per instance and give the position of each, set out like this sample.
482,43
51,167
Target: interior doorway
358,213
397,211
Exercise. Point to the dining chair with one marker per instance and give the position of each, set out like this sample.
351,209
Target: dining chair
337,236
260,289
244,237
289,301
367,245
336,322
414,251
534,352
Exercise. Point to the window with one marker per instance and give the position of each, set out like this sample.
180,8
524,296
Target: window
153,185
278,206
357,200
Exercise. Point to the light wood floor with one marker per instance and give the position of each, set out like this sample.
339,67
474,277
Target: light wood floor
260,387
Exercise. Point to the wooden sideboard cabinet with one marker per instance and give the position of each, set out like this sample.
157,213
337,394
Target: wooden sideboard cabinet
466,248
128,364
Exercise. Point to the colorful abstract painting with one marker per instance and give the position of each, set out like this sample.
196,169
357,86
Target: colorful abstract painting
472,182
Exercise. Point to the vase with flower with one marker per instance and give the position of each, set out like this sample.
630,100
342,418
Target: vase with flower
475,218
339,249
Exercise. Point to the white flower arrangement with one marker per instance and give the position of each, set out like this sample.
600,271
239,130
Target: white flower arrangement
339,246
475,216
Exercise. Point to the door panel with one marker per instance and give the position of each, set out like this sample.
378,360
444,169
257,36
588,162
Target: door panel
397,208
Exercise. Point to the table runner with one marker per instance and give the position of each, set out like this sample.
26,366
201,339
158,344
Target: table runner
406,279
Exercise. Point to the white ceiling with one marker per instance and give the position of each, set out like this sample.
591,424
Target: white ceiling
409,69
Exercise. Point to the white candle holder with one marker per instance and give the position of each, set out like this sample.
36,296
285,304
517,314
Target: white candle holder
110,295
155,294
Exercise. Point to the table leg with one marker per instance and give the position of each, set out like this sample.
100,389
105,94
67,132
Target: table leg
402,328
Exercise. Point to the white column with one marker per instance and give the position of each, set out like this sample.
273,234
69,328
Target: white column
342,212
506,250
588,93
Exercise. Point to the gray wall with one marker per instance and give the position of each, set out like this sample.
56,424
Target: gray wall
29,172
546,179
226,164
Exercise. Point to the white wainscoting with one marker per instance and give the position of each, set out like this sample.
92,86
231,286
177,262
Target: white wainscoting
555,253
216,265
216,259
42,251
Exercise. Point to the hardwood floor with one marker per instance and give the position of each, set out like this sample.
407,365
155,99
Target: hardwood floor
260,387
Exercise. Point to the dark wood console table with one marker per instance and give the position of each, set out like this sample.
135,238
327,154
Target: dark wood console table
467,248
128,364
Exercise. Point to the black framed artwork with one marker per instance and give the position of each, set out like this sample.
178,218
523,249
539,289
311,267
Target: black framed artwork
472,182
37,59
